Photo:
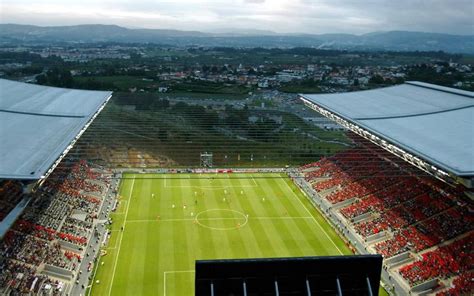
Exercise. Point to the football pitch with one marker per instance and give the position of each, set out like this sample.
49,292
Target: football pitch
171,220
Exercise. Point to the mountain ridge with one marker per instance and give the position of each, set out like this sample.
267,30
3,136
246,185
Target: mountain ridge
89,33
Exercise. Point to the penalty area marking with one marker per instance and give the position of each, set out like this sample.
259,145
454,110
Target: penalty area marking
172,272
115,245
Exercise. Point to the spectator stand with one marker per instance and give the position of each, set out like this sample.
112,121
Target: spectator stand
47,244
401,218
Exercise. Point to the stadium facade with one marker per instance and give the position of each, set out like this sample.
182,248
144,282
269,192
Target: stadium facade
427,125
394,209
40,124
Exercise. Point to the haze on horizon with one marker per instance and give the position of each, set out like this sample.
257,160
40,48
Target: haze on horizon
282,16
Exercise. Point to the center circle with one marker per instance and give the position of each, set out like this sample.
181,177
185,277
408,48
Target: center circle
231,219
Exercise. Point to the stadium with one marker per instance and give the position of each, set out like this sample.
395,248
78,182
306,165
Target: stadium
101,196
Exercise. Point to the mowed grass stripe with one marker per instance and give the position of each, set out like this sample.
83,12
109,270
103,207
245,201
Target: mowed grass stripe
240,241
247,233
151,207
280,229
146,236
165,243
177,244
270,243
228,242
205,242
304,244
301,233
117,281
174,242
305,231
104,273
132,279
333,239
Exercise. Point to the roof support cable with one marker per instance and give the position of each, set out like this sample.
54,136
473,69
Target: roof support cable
339,290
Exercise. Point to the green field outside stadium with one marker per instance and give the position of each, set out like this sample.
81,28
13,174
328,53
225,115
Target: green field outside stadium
172,220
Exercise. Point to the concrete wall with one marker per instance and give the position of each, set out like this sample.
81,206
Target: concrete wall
58,272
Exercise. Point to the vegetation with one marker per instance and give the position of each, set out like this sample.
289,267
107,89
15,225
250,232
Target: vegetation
303,86
447,77
195,86
236,136
56,77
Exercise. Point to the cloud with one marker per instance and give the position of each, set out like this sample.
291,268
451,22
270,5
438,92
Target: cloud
306,16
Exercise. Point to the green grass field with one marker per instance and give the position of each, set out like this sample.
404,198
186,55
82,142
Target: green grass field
172,220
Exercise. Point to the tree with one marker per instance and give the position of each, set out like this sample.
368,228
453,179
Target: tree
56,77
42,79
376,79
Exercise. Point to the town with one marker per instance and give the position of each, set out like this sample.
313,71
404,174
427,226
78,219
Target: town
227,72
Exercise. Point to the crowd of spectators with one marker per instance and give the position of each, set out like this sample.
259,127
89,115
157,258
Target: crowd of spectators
21,279
404,240
461,285
414,210
443,262
10,195
53,229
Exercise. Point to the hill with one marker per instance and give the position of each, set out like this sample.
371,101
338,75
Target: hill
393,40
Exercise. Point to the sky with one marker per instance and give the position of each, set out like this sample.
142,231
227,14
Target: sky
281,16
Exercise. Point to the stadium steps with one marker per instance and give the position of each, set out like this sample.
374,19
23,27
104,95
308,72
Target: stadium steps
344,203
397,261
363,217
58,272
376,238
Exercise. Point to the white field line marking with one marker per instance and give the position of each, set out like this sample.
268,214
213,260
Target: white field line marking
173,271
120,241
212,219
254,182
115,245
314,219
93,278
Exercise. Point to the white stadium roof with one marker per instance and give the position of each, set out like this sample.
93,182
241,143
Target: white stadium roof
38,124
432,122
